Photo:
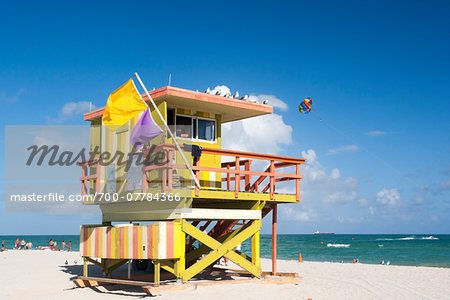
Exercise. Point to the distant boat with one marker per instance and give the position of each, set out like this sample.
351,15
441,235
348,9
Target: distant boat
317,232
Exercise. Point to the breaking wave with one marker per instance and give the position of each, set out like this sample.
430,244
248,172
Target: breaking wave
429,238
338,245
409,238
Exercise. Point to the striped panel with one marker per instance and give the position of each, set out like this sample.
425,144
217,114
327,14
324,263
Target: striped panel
203,114
108,241
183,111
144,242
82,241
161,240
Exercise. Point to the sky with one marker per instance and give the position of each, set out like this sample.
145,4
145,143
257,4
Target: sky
377,141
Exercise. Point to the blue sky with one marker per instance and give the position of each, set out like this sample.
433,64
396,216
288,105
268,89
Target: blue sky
378,72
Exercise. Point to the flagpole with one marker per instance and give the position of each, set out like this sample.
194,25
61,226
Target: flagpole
168,129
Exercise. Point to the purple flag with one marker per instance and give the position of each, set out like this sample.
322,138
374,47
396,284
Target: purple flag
144,131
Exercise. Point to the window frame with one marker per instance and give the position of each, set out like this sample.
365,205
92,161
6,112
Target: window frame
215,129
195,134
192,129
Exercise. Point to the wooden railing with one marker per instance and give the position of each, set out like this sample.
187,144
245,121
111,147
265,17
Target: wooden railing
86,176
234,167
232,170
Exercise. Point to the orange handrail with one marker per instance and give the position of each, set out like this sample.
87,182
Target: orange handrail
228,168
276,161
85,177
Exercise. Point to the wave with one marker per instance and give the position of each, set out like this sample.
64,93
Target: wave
409,238
429,238
338,245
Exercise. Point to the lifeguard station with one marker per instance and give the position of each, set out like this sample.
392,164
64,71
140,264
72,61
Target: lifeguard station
223,212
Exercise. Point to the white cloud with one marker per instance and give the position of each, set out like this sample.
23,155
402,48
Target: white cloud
71,109
335,174
388,197
443,186
340,197
13,98
264,134
363,202
376,133
347,148
329,186
289,213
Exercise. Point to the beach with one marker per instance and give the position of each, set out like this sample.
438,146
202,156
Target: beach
39,274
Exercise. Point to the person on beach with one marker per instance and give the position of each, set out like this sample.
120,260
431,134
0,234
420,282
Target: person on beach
69,246
3,246
16,245
55,247
29,245
50,243
63,245
22,244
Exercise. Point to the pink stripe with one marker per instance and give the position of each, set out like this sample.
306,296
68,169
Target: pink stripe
135,242
108,242
97,241
169,240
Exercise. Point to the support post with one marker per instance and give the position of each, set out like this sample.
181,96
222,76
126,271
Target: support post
255,248
85,267
274,239
180,264
157,277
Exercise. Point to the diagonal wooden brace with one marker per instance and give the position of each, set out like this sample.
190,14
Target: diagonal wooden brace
219,249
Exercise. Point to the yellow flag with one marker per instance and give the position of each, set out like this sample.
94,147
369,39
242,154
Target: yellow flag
123,104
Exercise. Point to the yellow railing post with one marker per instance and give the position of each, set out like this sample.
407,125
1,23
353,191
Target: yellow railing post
157,265
180,264
85,267
256,246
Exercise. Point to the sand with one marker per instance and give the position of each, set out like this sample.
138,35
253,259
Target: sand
43,275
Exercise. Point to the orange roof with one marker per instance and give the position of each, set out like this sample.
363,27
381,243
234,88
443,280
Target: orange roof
230,109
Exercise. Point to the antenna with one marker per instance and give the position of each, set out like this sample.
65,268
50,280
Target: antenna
90,106
170,78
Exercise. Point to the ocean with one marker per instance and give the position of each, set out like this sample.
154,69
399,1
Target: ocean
398,249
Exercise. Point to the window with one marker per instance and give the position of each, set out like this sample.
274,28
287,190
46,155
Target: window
171,119
206,130
184,127
196,128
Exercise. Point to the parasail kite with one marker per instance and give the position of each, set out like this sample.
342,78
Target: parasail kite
305,106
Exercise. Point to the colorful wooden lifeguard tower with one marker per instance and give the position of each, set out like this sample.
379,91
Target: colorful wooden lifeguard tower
224,211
